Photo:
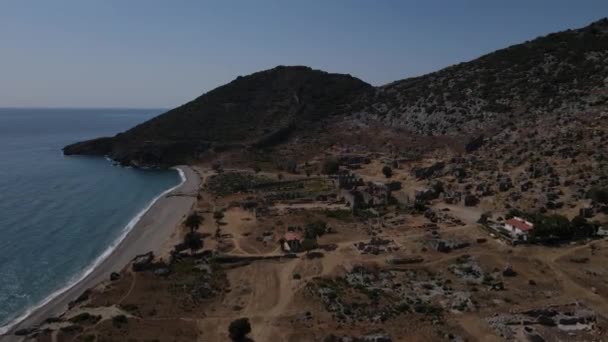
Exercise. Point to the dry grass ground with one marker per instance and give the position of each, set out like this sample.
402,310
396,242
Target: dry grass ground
275,294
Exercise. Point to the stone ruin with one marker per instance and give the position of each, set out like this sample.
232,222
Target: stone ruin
376,246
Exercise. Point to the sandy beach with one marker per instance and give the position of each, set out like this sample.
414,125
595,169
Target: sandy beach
152,231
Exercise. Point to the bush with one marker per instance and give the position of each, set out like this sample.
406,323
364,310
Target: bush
599,195
218,215
193,241
581,228
85,318
119,321
193,221
339,214
309,244
330,166
387,171
315,229
546,226
239,329
72,329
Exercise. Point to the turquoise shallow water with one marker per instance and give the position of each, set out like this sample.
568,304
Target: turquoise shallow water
59,214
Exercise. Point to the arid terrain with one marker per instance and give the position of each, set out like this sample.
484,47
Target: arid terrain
373,275
469,204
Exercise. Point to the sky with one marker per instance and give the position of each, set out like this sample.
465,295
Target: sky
160,54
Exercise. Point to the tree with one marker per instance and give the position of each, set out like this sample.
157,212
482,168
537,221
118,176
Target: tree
193,221
315,229
599,195
581,228
239,329
330,166
483,219
309,244
218,215
387,171
557,226
218,167
193,241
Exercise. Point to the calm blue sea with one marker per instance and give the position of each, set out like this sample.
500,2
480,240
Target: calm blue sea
59,214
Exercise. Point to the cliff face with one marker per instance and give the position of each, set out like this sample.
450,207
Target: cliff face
564,72
261,109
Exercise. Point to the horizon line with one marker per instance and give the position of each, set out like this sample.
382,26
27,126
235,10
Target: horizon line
84,107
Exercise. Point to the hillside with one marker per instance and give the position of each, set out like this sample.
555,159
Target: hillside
260,109
560,74
470,204
564,71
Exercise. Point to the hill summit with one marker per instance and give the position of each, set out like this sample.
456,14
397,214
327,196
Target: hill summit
256,110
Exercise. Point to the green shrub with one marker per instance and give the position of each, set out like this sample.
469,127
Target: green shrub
330,166
315,229
599,195
119,321
218,215
309,244
239,329
85,318
342,215
387,171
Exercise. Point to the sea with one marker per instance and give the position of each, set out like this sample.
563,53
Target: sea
61,215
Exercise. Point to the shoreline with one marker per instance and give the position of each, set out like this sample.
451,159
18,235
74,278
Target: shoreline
147,231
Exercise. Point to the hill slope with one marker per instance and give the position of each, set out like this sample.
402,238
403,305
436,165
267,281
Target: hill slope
563,71
259,109
549,77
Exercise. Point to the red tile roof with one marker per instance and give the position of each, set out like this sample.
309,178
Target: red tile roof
520,224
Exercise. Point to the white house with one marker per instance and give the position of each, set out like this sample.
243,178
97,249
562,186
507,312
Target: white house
518,227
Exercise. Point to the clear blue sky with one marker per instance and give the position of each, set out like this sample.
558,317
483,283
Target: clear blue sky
148,53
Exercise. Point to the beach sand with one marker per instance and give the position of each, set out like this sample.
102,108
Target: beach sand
150,234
